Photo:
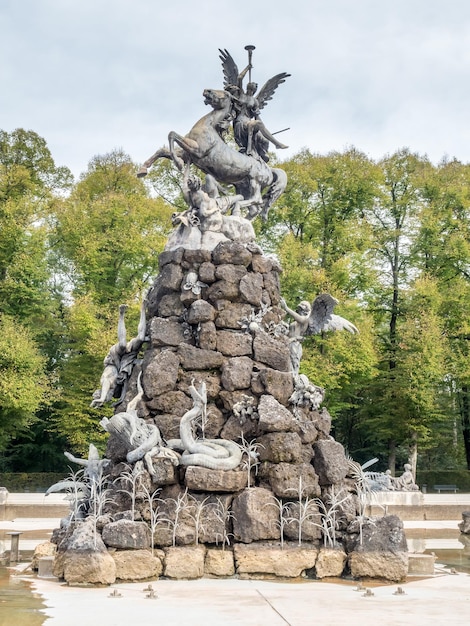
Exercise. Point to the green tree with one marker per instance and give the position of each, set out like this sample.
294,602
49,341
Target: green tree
30,184
108,237
24,384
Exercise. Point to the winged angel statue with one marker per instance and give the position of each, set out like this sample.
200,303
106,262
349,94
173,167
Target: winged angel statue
204,145
250,133
313,319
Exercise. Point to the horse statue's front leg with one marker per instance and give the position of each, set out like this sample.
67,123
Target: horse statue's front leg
161,153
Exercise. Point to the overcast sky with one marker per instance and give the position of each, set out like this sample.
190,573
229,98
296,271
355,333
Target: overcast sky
93,75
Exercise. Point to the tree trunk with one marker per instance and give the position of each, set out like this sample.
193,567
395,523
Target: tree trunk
464,408
392,456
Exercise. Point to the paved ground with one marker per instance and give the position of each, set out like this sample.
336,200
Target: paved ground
440,600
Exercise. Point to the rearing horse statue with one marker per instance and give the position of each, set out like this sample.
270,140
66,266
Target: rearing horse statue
204,146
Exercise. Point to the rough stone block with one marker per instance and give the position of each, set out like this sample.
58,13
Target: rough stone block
160,372
202,479
236,373
330,563
166,331
125,534
385,565
185,562
136,565
219,563
231,343
255,515
272,351
274,417
280,385
231,252
287,562
330,461
197,359
280,448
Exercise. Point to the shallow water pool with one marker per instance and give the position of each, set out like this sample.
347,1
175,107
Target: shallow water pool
20,605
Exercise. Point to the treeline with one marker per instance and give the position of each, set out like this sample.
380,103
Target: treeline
390,239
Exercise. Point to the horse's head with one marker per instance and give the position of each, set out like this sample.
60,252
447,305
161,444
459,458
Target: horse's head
217,98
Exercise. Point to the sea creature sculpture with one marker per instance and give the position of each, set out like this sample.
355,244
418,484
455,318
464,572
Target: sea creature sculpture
143,440
218,454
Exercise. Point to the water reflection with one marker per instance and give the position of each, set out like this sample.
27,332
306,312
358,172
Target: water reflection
19,604
451,548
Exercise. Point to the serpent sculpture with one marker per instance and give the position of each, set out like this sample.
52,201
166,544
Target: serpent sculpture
217,454
143,440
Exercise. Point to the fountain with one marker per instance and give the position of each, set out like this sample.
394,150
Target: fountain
220,460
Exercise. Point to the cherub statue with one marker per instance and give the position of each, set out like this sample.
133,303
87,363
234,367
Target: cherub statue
120,361
312,320
250,132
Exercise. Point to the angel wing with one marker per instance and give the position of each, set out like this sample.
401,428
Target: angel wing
267,90
229,67
322,318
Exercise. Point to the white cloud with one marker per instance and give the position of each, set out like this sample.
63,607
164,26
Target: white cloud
90,76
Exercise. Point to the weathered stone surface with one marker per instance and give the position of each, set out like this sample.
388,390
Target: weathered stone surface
197,359
165,472
170,256
288,562
231,273
384,565
251,288
321,420
381,534
88,568
203,479
186,562
207,272
219,563
271,351
236,373
165,331
201,311
261,264
273,417
195,257
308,514
170,277
172,402
231,252
169,305
42,549
330,562
83,558
280,448
125,534
223,290
207,338
280,385
136,565
231,314
255,515
329,461
283,479
231,343
160,372
272,286
307,433
210,379
168,425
